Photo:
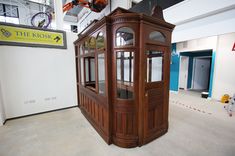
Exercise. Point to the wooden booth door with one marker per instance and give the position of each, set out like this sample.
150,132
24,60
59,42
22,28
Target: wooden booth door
156,71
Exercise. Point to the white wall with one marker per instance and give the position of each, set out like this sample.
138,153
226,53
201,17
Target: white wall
2,111
223,80
224,75
37,79
197,44
201,18
126,4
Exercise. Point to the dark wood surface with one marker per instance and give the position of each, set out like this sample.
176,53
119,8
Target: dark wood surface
141,119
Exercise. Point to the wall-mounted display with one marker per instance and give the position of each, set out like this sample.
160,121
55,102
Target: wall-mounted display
123,77
19,35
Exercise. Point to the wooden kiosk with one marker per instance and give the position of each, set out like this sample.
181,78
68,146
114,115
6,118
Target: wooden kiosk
123,70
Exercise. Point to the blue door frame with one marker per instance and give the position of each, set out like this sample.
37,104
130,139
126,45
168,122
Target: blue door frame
175,63
212,73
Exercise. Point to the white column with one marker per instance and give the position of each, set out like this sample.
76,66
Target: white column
59,16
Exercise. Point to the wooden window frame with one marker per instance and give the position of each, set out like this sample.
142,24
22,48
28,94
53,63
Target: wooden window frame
87,56
159,54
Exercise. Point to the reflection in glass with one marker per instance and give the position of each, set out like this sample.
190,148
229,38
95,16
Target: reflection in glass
124,36
125,69
82,70
90,72
154,66
101,73
157,36
86,47
100,41
81,49
92,44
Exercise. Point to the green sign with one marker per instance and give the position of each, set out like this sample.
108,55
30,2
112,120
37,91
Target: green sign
18,35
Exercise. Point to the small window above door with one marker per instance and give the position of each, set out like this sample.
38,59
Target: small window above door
124,37
157,36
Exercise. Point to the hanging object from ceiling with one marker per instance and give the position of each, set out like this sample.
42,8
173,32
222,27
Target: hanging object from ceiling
93,5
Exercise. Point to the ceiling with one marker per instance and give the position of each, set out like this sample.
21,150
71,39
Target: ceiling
74,11
146,6
143,6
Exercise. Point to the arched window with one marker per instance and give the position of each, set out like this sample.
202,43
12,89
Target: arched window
124,37
92,44
157,36
100,41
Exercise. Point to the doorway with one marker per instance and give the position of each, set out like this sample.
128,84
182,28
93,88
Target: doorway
184,62
201,74
195,71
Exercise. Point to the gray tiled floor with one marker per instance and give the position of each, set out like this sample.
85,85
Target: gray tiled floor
67,133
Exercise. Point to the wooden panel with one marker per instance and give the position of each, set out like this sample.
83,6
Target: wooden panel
96,113
124,124
125,129
154,110
155,98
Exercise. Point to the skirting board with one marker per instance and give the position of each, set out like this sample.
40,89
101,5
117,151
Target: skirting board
39,113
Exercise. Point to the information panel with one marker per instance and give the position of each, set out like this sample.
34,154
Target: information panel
19,35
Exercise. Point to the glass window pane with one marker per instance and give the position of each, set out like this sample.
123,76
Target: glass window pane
90,72
125,70
124,36
81,49
92,69
118,69
87,69
82,70
92,44
154,66
100,41
1,10
11,11
85,47
127,67
157,36
101,73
